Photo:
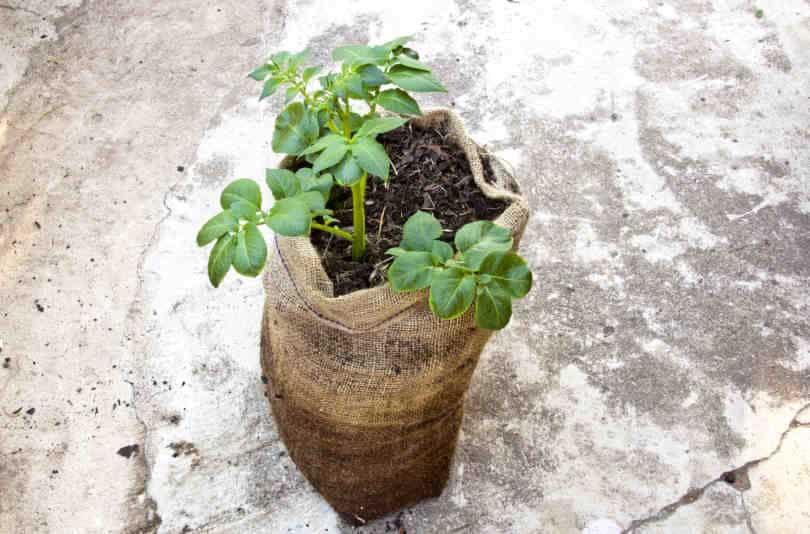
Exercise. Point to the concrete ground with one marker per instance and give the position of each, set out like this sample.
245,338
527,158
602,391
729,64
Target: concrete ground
657,379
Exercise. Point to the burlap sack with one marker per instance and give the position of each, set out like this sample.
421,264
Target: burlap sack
367,389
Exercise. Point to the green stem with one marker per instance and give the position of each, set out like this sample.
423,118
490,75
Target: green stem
302,88
347,129
373,106
359,218
335,231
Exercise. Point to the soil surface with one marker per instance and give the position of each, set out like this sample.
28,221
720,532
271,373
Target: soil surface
430,173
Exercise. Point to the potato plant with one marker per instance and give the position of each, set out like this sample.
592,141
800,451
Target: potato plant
330,123
482,269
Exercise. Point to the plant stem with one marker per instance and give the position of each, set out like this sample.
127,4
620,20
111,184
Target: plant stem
358,192
347,129
373,105
336,231
302,88
359,218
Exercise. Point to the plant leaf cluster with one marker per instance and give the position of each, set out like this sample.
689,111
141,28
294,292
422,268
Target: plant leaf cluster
481,270
319,126
330,123
323,128
300,203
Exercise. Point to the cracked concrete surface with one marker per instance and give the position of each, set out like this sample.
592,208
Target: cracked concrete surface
735,482
655,380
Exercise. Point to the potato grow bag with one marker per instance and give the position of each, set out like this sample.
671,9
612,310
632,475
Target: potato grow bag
367,389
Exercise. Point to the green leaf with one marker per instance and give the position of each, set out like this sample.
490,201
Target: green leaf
371,156
242,189
220,259
297,59
270,87
243,209
493,308
323,143
329,157
372,76
355,121
451,292
477,239
323,115
251,251
360,54
414,80
441,252
340,90
410,52
411,63
261,73
354,84
398,101
313,199
309,72
509,272
347,171
289,217
420,231
290,94
305,172
296,128
310,182
280,58
411,271
217,226
374,127
327,81
396,251
282,183
396,43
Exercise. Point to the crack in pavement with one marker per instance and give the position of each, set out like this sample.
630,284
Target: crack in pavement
149,505
135,335
748,521
736,478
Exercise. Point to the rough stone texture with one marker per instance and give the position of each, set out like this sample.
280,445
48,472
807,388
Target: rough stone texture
664,148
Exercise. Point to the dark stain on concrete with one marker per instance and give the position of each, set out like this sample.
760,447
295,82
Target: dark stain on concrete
128,451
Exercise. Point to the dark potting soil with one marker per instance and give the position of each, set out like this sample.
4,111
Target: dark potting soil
430,173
